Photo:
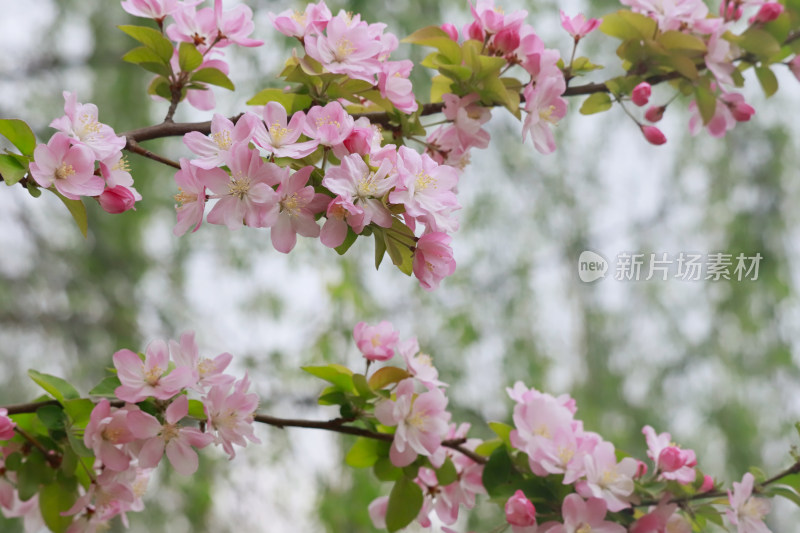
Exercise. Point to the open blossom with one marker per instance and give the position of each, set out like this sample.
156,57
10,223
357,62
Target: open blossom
151,377
467,117
395,86
6,425
606,478
363,188
492,19
662,519
190,202
280,137
300,23
214,148
330,125
193,26
157,10
81,123
340,213
230,414
747,512
578,26
676,14
235,25
520,513
106,433
105,498
419,365
348,47
583,516
545,108
205,372
671,461
376,343
433,259
730,109
421,422
298,204
69,168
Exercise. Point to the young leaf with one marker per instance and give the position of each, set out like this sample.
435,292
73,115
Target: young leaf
447,473
148,60
58,388
106,387
339,375
11,169
348,241
19,134
77,210
437,38
188,57
365,452
79,411
706,103
767,79
160,86
152,39
596,103
405,501
386,376
292,102
54,499
213,76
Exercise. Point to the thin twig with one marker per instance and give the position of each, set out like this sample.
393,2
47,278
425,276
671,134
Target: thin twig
134,147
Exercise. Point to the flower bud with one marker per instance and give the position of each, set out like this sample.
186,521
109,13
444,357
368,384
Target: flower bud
520,511
474,31
768,12
116,200
641,94
708,484
507,40
450,30
653,135
655,113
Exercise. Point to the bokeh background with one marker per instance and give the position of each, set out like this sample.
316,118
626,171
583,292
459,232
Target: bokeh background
715,363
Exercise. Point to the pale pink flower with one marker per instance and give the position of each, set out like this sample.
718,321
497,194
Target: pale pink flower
69,168
377,511
155,9
115,171
582,516
579,26
106,433
298,24
395,86
191,198
205,372
492,19
545,108
662,519
641,94
606,478
106,498
330,125
6,425
719,57
247,195
177,441
520,513
118,199
230,414
540,62
298,204
81,123
420,422
730,109
151,377
467,117
363,188
461,492
215,148
376,343
339,214
419,365
280,138
235,25
676,14
672,462
747,512
193,26
347,48
433,259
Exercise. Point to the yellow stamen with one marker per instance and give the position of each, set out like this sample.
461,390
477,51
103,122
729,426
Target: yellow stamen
240,186
223,139
184,197
64,171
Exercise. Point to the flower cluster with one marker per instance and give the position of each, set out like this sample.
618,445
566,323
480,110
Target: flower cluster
67,161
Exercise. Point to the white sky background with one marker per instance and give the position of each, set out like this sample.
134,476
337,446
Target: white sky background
634,179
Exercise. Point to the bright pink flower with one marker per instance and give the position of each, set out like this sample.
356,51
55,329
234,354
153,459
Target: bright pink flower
151,377
520,513
230,414
578,26
540,62
420,422
719,57
364,139
492,19
641,94
298,204
708,484
177,441
279,137
606,478
740,110
347,48
215,148
450,30
767,13
376,343
330,125
80,122
6,425
653,135
747,512
433,260
671,462
655,113
191,197
467,117
298,24
106,433
205,372
545,108
247,195
155,9
69,168
395,86
235,25
118,199
506,41
580,516
363,188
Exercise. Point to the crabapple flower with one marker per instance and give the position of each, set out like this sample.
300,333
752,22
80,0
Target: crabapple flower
578,26
376,343
69,168
545,108
280,138
247,195
672,462
362,189
214,148
151,377
377,511
330,125
607,479
641,94
491,18
205,372
340,212
157,10
177,441
230,414
433,259
81,123
235,25
730,109
677,14
298,204
520,513
105,434
193,26
191,198
419,365
6,425
421,422
747,512
299,24
106,498
653,135
583,516
347,48
767,13
655,113
662,519
467,118
118,199
395,86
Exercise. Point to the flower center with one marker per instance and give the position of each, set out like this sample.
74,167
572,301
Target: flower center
291,204
153,375
424,180
343,49
169,432
184,197
546,114
223,139
327,121
90,126
64,171
239,187
417,420
585,528
565,454
122,165
278,132
367,186
299,17
112,434
205,367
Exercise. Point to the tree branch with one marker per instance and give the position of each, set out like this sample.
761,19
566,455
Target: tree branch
133,146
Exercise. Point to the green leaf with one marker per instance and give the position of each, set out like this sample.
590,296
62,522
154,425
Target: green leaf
188,57
332,396
152,39
447,473
76,209
365,452
384,470
11,169
292,102
767,79
197,410
502,430
786,492
54,499
348,241
386,376
19,134
677,40
440,85
405,502
400,244
214,76
106,388
33,473
758,42
60,389
626,25
487,447
436,37
596,103
160,86
380,247
706,103
583,64
148,60
52,416
33,189
79,411
362,387
339,375
684,65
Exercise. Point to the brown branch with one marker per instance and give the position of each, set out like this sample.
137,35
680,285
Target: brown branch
133,146
50,456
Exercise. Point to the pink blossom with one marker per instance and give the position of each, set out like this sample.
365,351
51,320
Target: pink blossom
767,13
69,168
6,425
719,57
662,519
377,511
747,512
580,516
106,433
362,189
395,86
279,137
247,195
653,135
151,377
420,422
155,9
193,26
81,123
298,204
117,200
492,19
339,214
376,343
730,109
177,441
298,24
330,125
578,26
641,94
520,513
545,108
794,67
115,171
676,14
214,148
433,259
467,117
107,497
191,198
655,113
506,41
672,462
450,30
419,365
235,25
347,48
230,414
205,372
607,479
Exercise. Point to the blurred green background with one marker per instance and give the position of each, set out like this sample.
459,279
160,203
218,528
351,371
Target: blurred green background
715,363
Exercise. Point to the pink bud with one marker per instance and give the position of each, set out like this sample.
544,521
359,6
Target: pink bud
671,458
768,12
655,113
358,142
6,426
116,200
653,135
474,31
641,94
450,30
520,511
641,469
507,40
708,484
742,112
